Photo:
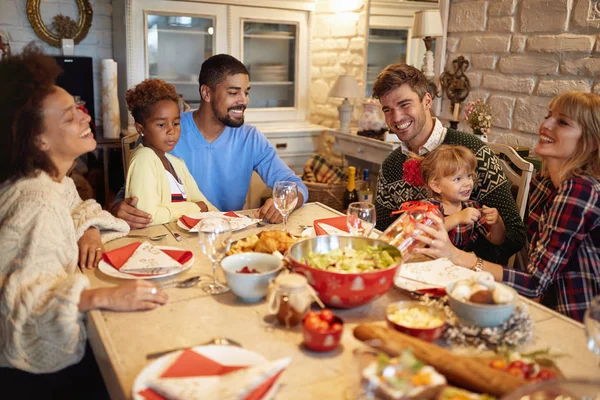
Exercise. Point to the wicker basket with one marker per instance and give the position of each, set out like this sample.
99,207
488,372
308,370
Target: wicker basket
330,194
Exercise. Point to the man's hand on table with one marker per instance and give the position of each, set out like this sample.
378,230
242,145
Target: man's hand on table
126,211
90,248
269,212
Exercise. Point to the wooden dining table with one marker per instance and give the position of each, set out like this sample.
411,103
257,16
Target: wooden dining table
122,340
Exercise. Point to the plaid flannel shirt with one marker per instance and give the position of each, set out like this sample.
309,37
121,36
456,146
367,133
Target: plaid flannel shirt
464,235
564,252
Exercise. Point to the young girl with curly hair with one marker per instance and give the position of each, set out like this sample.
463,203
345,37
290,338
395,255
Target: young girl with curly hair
162,183
448,173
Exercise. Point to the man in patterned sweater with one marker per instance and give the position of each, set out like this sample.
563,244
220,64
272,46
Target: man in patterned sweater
406,104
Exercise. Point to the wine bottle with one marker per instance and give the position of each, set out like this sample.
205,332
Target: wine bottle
350,194
366,192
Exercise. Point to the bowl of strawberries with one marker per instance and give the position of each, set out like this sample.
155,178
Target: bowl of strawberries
322,330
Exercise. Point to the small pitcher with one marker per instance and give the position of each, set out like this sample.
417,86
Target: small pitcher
289,298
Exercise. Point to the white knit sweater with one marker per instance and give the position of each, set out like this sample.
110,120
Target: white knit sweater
41,329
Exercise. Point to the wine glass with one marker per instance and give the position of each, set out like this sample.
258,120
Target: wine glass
285,198
591,320
215,239
360,218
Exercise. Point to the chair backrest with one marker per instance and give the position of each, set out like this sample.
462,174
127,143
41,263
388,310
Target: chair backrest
520,178
127,146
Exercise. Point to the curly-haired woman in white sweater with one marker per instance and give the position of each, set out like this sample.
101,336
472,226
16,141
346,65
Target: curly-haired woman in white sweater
46,230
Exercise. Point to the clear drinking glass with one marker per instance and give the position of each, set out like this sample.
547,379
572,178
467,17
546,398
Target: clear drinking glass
215,239
285,197
591,320
360,218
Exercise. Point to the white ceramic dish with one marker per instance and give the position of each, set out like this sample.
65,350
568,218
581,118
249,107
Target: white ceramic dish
236,223
251,287
109,270
226,355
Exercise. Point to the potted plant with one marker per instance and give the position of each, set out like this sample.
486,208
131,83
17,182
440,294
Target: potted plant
479,117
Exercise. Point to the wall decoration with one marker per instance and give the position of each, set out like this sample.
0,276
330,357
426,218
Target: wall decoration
456,84
63,27
594,14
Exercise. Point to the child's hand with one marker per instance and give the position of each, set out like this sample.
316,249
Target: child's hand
203,206
469,215
491,215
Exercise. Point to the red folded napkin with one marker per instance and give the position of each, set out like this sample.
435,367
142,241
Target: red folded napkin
336,222
118,257
192,222
190,363
435,292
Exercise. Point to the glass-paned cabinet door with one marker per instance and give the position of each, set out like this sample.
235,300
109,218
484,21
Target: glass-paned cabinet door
269,53
273,46
384,47
177,47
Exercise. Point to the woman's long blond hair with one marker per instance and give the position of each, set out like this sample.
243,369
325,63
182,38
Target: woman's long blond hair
584,108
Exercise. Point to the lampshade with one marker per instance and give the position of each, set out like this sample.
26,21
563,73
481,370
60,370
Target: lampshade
345,87
427,23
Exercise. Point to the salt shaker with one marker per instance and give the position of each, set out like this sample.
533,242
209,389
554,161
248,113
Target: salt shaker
289,298
401,233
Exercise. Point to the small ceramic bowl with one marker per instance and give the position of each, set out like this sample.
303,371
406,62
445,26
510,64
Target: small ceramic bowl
417,328
482,315
322,341
251,287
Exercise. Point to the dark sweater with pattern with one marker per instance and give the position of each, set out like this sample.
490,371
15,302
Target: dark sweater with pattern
491,189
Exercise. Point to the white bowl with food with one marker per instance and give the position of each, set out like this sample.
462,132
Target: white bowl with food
248,274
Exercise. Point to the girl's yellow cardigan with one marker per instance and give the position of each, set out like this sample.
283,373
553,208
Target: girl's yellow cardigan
147,180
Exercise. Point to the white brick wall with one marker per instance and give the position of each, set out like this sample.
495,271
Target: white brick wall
337,47
97,44
522,53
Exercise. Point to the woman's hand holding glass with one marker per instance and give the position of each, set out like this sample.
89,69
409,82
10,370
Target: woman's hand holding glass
285,198
215,239
360,218
436,237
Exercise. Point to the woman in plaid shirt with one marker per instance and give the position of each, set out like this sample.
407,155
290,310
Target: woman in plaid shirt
564,213
447,172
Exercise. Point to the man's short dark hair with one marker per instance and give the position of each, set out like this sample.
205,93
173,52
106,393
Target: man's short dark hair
215,69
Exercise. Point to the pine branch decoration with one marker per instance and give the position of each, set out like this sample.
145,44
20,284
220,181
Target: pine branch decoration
65,27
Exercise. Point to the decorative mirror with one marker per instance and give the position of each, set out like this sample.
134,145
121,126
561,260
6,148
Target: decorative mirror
63,27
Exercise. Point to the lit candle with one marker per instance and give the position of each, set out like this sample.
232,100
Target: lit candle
455,113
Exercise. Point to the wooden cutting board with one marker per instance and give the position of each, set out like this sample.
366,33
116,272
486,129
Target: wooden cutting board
461,371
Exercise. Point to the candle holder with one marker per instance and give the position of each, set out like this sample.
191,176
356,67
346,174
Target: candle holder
453,124
456,85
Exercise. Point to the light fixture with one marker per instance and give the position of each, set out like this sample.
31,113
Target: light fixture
427,24
345,87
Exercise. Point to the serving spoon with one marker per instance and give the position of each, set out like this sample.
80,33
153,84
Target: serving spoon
220,341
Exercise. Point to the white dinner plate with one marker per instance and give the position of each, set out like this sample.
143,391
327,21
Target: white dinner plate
237,224
109,270
225,355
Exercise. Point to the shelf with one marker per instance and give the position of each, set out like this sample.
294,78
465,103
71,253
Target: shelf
388,41
274,37
185,32
174,81
263,83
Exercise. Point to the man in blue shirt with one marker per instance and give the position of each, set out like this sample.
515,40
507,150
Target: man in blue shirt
220,151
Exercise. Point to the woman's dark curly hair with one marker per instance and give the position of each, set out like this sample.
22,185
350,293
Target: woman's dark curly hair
26,80
144,95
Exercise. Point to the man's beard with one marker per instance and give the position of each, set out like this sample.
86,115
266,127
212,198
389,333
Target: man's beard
226,120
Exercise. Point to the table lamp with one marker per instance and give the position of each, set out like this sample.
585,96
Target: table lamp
345,87
427,24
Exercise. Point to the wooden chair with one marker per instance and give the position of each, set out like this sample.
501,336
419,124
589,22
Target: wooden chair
519,172
127,145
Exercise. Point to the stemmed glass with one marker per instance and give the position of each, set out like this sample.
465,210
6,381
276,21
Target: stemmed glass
215,239
591,320
285,198
360,218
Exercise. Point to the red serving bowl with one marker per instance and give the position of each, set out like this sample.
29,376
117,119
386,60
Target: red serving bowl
322,340
430,334
343,290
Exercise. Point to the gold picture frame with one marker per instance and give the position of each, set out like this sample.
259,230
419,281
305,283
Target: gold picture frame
84,22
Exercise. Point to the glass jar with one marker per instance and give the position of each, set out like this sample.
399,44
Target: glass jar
290,297
401,233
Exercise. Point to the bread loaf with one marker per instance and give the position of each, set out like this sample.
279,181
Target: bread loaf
461,371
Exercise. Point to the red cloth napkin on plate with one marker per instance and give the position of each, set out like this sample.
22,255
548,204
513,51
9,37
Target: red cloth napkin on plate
435,292
336,222
190,363
192,222
118,257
